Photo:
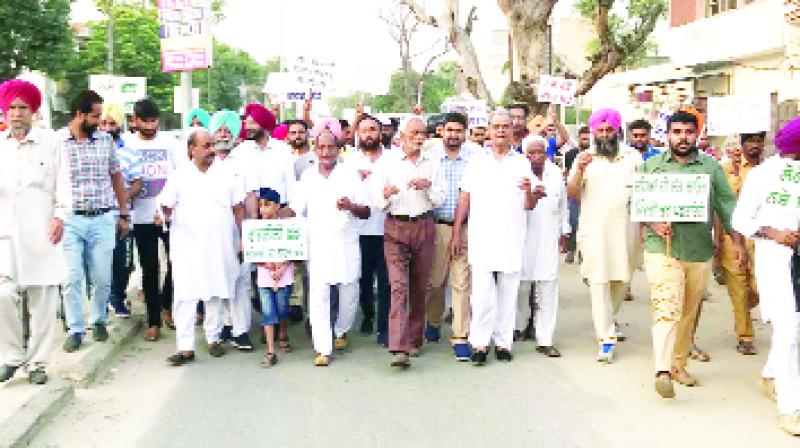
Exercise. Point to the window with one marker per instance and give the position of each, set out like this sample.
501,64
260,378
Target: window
714,7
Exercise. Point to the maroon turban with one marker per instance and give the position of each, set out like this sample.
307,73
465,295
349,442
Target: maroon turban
17,88
787,140
261,115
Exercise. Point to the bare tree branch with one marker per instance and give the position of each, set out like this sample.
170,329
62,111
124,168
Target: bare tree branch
471,18
420,13
435,57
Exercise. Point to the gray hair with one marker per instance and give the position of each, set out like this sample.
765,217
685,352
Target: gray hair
405,122
499,112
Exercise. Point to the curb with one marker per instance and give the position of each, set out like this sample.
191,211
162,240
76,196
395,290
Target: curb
19,429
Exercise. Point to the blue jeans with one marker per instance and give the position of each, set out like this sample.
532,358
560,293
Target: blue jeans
88,244
574,208
274,304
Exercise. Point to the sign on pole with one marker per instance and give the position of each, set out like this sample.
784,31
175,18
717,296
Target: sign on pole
557,90
186,41
273,240
670,197
738,114
122,90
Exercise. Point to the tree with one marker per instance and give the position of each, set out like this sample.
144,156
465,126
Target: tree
437,87
35,35
232,68
340,103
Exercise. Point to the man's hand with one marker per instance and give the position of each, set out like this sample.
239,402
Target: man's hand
158,220
122,228
56,230
740,255
454,248
786,237
538,192
390,190
364,174
419,184
525,184
344,204
583,160
662,229
563,244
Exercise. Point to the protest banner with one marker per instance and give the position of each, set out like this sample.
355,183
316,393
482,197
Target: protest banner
557,90
186,39
123,90
670,197
738,114
475,110
784,191
273,240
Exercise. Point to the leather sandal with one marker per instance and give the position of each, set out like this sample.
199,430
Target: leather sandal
746,348
152,334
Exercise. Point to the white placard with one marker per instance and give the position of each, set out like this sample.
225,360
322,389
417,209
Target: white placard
123,90
557,90
177,99
475,110
784,191
738,114
273,240
670,197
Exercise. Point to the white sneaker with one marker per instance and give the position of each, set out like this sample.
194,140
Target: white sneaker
790,423
606,353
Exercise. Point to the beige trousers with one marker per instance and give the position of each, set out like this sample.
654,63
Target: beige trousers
457,269
42,306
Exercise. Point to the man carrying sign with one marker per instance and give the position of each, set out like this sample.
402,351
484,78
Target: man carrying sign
677,255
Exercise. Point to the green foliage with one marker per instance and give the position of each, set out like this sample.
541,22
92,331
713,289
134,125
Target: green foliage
340,103
232,68
402,95
35,34
626,29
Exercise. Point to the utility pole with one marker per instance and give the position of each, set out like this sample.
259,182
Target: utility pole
110,43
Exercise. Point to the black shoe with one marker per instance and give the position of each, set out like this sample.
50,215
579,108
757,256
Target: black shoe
295,313
530,332
100,333
503,355
179,359
242,342
37,376
73,342
216,350
226,334
7,372
366,326
478,358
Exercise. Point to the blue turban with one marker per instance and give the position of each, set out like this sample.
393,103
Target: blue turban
226,118
268,194
200,114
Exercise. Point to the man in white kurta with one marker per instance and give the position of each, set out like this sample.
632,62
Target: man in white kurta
547,230
201,198
601,180
495,192
776,232
35,200
329,196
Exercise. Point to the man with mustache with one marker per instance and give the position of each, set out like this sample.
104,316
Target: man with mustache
91,231
678,278
601,180
639,135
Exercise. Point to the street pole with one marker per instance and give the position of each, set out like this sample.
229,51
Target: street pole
110,43
186,91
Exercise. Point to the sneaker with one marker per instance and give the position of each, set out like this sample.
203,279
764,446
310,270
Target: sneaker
340,343
73,342
322,361
7,372
242,342
216,349
461,352
366,326
383,338
503,354
226,334
100,333
664,385
606,353
121,311
37,376
478,358
790,423
432,334
400,359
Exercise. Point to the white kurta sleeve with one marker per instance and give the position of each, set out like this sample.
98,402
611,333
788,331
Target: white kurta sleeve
169,194
467,179
299,203
563,209
436,193
745,215
379,180
289,179
63,194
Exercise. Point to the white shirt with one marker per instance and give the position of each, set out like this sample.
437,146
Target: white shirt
360,161
34,188
398,170
274,166
160,156
202,250
497,224
545,225
334,252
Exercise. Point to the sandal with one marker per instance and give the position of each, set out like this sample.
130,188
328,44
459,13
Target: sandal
699,355
179,359
152,334
283,345
549,351
746,348
269,360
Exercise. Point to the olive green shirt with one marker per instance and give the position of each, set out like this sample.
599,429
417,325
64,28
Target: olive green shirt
691,241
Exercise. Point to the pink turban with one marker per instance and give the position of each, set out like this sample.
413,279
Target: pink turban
261,115
280,132
609,116
330,124
17,88
787,140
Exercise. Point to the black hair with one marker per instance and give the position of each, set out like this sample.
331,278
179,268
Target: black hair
145,108
455,117
584,130
84,102
344,123
522,106
640,124
289,123
747,136
681,117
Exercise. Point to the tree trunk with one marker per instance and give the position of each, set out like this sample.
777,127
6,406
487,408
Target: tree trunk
462,43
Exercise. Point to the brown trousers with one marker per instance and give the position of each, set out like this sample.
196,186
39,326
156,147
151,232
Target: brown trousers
409,251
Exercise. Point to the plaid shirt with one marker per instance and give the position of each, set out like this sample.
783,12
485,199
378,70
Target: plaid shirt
452,169
91,164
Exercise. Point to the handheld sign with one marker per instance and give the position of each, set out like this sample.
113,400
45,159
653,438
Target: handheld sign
784,191
670,197
274,240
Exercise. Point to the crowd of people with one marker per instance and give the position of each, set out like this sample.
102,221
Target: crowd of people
421,226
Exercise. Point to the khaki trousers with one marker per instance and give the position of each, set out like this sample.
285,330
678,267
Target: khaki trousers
43,304
606,300
457,269
740,282
676,289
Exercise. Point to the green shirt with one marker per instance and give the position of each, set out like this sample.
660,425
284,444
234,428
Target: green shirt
691,241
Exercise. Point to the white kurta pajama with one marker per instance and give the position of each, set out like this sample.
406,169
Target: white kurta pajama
774,279
546,223
496,234
334,252
34,188
203,255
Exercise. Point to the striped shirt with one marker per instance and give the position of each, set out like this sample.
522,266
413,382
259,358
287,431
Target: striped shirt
453,170
91,164
130,163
